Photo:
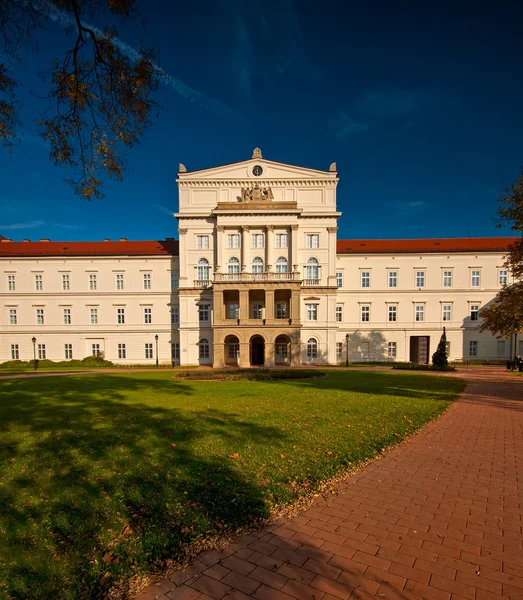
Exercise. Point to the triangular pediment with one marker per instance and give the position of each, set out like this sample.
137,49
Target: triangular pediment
270,170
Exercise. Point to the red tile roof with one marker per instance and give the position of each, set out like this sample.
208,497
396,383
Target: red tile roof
495,244
120,248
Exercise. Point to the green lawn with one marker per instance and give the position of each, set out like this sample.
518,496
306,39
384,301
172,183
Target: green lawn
137,465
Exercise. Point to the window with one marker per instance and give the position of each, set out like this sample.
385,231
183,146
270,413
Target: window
312,312
393,313
13,317
257,240
68,351
313,240
419,310
312,348
312,271
175,351
120,315
233,240
474,278
233,265
365,279
39,283
41,352
202,242
11,283
447,312
67,316
392,350
474,312
65,282
119,281
501,348
39,316
365,314
95,349
204,348
234,348
257,265
175,315
146,281
339,350
149,351
420,279
94,316
339,279
203,270
281,265
92,281
339,313
203,312
503,277
122,351
282,240
393,279
281,350
447,278
147,315
174,281
281,310
257,311
473,348
15,352
233,310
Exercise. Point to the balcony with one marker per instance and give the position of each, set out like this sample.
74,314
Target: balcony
202,283
311,282
266,276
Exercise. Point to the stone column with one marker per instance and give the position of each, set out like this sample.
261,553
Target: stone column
331,273
245,241
295,307
182,262
219,248
294,246
218,306
295,353
269,246
269,354
269,305
218,356
244,306
245,358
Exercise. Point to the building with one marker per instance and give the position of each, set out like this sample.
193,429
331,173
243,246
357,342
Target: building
257,277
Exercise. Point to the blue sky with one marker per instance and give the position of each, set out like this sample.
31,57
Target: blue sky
419,104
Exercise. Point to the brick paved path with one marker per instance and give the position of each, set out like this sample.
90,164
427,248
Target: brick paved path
439,517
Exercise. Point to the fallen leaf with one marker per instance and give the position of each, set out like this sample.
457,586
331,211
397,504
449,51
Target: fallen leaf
235,455
108,557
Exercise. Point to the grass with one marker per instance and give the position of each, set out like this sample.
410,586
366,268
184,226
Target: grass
104,476
249,374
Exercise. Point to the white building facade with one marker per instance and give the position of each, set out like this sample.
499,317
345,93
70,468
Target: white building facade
258,277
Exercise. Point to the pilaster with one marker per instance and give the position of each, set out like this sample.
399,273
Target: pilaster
245,241
219,248
294,245
269,246
269,305
245,359
244,305
269,354
182,245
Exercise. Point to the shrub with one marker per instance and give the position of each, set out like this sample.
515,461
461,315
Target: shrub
249,374
420,367
439,358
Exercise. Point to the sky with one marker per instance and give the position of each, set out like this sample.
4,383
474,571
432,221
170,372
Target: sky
418,103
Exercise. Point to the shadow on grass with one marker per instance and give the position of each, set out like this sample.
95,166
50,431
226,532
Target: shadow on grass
95,486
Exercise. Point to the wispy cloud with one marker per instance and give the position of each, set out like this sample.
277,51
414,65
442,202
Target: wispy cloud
342,125
395,102
67,226
190,94
26,225
163,209
413,207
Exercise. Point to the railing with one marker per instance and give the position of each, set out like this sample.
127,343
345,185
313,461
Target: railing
312,282
202,283
266,276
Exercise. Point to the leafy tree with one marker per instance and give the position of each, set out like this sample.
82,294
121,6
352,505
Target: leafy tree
504,317
440,358
99,95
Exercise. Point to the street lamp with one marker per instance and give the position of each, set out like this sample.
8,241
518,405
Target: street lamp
156,340
35,364
347,337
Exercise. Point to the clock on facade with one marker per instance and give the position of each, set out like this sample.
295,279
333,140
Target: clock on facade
257,170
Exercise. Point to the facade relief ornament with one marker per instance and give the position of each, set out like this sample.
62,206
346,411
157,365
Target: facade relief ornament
220,228
333,168
182,168
257,194
182,231
256,153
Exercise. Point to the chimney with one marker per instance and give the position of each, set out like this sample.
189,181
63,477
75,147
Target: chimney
123,239
45,240
7,240
107,240
26,240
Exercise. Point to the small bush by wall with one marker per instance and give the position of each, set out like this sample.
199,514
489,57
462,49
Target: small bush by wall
420,367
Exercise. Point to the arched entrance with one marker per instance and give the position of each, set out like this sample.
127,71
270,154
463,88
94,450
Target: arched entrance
232,350
257,350
282,350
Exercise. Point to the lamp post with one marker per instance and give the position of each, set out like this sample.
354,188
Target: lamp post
156,340
35,364
347,338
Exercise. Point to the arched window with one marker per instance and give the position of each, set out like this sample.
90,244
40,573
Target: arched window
204,348
281,265
257,265
233,265
203,269
312,270
312,348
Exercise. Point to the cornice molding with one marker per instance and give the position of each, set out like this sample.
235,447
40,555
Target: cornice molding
221,183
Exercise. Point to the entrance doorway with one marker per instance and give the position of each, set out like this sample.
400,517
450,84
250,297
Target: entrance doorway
257,350
419,349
